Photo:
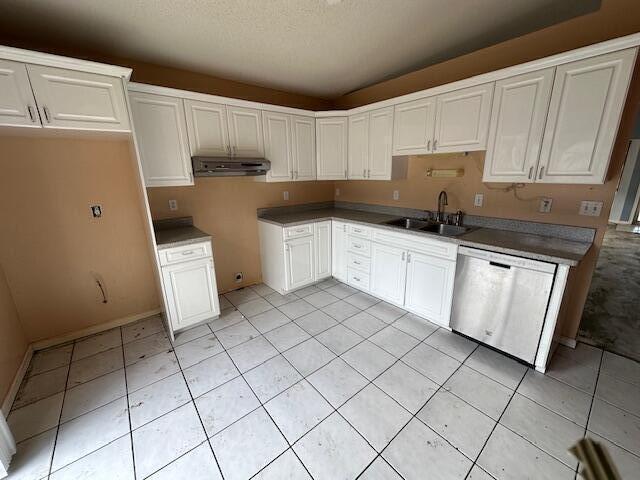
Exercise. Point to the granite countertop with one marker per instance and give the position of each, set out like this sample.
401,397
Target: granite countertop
175,232
536,247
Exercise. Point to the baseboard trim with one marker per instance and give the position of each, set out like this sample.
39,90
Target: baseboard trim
17,381
566,341
67,337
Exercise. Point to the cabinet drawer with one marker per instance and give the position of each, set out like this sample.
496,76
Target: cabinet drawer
358,245
359,262
358,279
298,231
169,256
360,231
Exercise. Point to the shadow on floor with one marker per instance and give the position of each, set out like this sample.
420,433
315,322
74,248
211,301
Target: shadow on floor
611,317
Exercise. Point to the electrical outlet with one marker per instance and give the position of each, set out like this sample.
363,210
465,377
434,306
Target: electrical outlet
173,205
478,201
238,277
545,205
590,208
285,195
396,194
96,211
337,192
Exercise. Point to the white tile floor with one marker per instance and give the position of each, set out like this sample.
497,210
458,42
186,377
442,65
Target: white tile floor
327,383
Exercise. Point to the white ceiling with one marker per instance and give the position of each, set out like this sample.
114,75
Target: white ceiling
319,47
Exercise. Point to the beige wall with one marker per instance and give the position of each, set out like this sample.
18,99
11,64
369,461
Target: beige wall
13,342
51,245
226,208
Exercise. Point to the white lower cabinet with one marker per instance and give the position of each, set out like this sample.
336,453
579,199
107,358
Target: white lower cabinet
429,289
190,288
388,273
322,244
339,250
299,262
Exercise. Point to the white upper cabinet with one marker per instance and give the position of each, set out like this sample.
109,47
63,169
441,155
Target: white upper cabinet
413,128
358,146
207,128
586,104
519,113
78,100
161,133
462,119
245,132
303,137
17,104
331,148
380,144
277,146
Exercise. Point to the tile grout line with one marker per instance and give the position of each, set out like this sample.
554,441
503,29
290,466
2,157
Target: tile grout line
593,398
126,387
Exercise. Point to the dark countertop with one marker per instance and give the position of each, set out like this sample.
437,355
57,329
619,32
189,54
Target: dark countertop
175,232
536,247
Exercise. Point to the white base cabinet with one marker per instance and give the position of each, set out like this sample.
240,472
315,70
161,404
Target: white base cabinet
299,260
388,273
339,250
189,283
322,252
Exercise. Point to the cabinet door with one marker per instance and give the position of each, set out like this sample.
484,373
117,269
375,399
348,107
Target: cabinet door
331,148
322,247
303,137
245,132
430,287
413,127
358,146
79,100
388,273
162,139
586,104
299,262
518,115
339,251
380,144
17,104
277,146
207,128
462,119
191,292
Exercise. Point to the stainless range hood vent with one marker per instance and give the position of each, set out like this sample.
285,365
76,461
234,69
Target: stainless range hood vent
229,166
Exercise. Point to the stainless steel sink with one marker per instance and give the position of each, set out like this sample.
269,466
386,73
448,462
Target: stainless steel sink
428,226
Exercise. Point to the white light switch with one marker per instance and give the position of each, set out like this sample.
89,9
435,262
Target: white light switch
337,192
173,205
545,205
285,195
396,194
590,208
478,201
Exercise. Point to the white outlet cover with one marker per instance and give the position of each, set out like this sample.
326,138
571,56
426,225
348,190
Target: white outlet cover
590,208
478,200
285,195
545,205
173,205
396,194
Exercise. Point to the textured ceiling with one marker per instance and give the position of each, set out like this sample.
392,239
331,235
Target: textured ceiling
318,47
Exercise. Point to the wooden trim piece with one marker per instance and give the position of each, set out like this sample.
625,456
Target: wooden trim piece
17,381
47,59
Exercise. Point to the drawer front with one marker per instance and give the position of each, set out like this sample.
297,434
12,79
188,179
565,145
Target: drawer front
359,245
360,231
298,231
170,256
358,262
416,243
358,279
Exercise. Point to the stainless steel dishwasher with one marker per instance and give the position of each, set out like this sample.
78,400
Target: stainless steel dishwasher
501,300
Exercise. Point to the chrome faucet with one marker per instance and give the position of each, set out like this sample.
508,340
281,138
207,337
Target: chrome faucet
442,202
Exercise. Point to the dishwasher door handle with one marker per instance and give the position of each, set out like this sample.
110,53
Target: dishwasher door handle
501,265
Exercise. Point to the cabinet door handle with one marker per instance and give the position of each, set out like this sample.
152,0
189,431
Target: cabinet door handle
345,174
428,145
300,230
368,173
408,258
188,252
435,145
46,114
357,230
364,172
357,245
355,262
356,279
344,228
295,174
530,172
31,115
403,255
541,172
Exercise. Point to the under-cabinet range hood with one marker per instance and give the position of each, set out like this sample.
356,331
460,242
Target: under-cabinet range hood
229,166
